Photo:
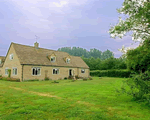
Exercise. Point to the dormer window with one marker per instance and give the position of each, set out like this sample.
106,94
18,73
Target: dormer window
52,59
68,60
11,56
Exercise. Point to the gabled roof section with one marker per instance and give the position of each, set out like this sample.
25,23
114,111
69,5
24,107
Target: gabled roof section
31,55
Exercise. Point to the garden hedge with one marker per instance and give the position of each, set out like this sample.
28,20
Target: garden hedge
111,73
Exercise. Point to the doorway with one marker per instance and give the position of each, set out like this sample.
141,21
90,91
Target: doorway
70,72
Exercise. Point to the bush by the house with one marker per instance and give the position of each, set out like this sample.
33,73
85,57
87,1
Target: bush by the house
10,79
65,78
77,77
0,75
111,73
46,78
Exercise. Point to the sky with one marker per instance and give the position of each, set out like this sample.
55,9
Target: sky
61,23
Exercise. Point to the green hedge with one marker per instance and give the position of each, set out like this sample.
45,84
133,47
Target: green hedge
111,73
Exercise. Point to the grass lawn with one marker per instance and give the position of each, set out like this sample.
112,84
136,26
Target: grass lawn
80,100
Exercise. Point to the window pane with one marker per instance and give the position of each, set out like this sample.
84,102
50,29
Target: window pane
57,71
38,71
53,71
6,71
33,71
16,71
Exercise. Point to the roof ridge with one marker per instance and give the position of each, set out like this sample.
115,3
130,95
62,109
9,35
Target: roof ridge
40,48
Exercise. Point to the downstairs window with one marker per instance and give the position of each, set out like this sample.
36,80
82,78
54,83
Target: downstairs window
36,71
55,71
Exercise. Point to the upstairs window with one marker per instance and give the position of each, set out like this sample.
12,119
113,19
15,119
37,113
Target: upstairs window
68,60
36,71
14,71
55,71
52,59
11,56
0,61
83,71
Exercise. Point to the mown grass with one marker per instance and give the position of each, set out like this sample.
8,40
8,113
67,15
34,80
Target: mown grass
80,100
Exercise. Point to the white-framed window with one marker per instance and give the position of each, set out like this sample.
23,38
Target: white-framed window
0,61
83,71
68,60
36,71
55,71
52,59
11,56
6,71
14,71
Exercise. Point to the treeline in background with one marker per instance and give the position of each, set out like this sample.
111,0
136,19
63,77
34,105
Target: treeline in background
96,59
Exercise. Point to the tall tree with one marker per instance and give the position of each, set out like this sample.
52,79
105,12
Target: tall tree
138,20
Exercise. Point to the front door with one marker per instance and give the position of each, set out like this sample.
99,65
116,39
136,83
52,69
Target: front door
70,72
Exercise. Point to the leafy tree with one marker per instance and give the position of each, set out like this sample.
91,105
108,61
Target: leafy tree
138,20
138,60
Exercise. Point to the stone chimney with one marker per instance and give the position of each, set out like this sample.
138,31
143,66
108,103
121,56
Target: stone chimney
36,45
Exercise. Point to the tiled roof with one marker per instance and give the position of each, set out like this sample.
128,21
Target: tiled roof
34,56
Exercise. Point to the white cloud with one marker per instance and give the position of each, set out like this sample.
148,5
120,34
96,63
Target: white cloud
61,4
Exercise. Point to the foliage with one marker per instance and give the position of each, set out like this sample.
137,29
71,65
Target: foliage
10,79
46,78
9,73
77,51
111,73
0,75
77,77
110,63
139,59
65,78
96,59
139,85
138,20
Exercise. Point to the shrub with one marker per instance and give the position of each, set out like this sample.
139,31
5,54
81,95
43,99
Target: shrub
139,86
11,79
111,73
0,75
46,78
84,79
77,77
65,78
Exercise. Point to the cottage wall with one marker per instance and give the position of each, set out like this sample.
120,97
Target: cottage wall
10,64
0,70
47,71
